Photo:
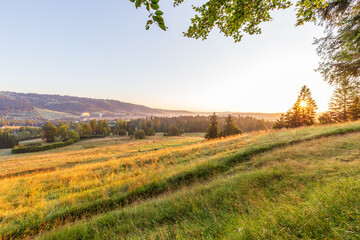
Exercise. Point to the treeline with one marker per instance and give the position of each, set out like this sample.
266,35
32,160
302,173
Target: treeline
344,106
27,133
230,128
61,132
28,122
191,124
139,128
94,128
24,133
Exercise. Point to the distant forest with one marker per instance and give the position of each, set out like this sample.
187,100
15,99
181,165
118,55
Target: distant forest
191,124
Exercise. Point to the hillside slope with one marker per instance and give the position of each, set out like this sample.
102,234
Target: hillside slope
11,102
288,184
23,106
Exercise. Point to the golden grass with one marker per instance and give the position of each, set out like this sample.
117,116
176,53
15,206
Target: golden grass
123,168
37,185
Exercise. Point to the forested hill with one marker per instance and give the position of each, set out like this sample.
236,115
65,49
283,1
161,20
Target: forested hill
32,106
11,102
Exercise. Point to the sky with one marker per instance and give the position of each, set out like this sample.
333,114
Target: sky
100,49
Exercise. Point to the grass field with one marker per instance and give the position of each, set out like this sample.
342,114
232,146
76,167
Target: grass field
288,184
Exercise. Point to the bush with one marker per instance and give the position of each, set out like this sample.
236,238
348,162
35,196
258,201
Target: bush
28,149
140,134
150,131
173,131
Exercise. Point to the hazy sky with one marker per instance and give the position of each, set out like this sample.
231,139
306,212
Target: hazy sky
101,49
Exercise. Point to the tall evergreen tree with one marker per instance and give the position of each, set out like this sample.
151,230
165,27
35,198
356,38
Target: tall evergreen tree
301,114
230,128
341,101
304,110
213,131
355,109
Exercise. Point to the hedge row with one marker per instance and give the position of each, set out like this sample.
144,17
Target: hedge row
92,136
31,144
28,149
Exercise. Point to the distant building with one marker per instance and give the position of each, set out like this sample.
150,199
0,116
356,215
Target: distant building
85,114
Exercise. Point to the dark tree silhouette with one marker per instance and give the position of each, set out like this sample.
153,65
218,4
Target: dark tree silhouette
230,128
213,131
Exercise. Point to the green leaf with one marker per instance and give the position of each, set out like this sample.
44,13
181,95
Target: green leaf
158,12
138,3
160,19
154,6
162,26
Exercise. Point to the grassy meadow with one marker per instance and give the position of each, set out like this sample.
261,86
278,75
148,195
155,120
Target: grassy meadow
287,184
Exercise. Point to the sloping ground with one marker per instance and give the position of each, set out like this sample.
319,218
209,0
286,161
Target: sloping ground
219,189
311,191
69,106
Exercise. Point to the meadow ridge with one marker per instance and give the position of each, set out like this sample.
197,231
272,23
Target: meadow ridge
185,187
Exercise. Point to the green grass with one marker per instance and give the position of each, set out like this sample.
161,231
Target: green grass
314,197
196,189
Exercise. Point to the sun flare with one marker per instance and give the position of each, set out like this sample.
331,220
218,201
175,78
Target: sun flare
303,104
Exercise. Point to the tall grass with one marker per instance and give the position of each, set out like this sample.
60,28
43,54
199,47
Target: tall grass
102,179
313,197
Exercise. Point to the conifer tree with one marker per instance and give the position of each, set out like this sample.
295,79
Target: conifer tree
230,128
341,101
280,123
213,131
355,109
301,114
304,110
325,118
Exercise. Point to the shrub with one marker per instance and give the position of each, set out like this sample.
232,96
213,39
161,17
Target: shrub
150,131
140,134
173,131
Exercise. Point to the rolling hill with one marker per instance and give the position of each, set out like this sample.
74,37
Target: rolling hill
32,105
287,184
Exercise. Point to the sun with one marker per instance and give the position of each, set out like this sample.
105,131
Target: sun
303,104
